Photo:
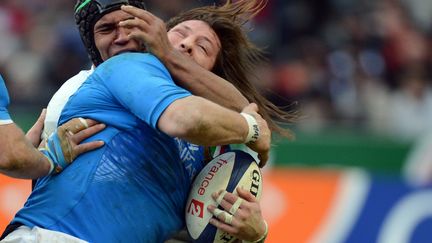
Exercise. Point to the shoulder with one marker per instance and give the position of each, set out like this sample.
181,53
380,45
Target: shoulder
59,99
70,86
130,67
133,62
76,81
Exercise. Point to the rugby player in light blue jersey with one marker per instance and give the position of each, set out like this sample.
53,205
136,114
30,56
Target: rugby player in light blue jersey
134,188
196,155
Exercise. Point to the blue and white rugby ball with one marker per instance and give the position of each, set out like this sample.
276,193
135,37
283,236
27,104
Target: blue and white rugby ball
225,172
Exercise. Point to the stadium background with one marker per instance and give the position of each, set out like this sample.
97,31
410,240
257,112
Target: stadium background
358,70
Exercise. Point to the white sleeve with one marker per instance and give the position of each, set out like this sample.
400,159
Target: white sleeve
58,101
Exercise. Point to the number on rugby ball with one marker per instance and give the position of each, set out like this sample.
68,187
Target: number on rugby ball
225,172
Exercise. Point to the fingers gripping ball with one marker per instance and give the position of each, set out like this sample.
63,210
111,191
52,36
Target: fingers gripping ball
227,171
4,103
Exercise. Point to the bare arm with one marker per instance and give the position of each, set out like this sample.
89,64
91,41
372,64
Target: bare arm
18,157
151,30
201,82
203,122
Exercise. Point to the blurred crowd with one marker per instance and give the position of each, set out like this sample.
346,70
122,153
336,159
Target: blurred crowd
361,63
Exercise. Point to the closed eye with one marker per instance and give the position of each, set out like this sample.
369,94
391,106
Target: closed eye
203,49
180,32
105,28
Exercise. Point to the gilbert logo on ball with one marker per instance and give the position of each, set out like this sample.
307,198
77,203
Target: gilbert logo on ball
225,172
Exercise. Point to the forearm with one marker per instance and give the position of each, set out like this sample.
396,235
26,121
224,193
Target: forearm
203,122
201,82
216,125
18,157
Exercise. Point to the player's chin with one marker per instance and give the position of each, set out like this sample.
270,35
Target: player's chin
116,53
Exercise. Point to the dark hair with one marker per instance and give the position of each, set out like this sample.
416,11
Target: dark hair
238,57
88,12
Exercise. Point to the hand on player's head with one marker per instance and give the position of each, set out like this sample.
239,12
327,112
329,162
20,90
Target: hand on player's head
194,38
147,28
262,144
112,39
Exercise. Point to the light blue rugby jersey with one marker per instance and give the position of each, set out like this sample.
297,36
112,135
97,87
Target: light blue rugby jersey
134,188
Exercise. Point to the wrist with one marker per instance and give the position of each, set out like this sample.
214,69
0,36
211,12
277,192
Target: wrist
263,236
168,57
49,157
253,129
54,153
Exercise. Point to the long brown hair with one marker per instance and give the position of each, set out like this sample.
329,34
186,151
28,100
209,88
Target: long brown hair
239,57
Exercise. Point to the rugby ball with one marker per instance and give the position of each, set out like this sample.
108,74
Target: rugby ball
227,171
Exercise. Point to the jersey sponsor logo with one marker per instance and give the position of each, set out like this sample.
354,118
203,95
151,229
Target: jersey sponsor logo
196,208
207,179
189,154
187,150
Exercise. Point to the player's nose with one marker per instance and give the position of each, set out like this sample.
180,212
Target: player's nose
122,36
186,46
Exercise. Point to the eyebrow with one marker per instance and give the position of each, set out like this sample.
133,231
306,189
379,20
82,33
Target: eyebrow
187,27
104,24
109,22
204,37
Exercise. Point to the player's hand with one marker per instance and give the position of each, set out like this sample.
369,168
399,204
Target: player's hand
73,132
247,222
149,29
35,132
67,138
262,144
